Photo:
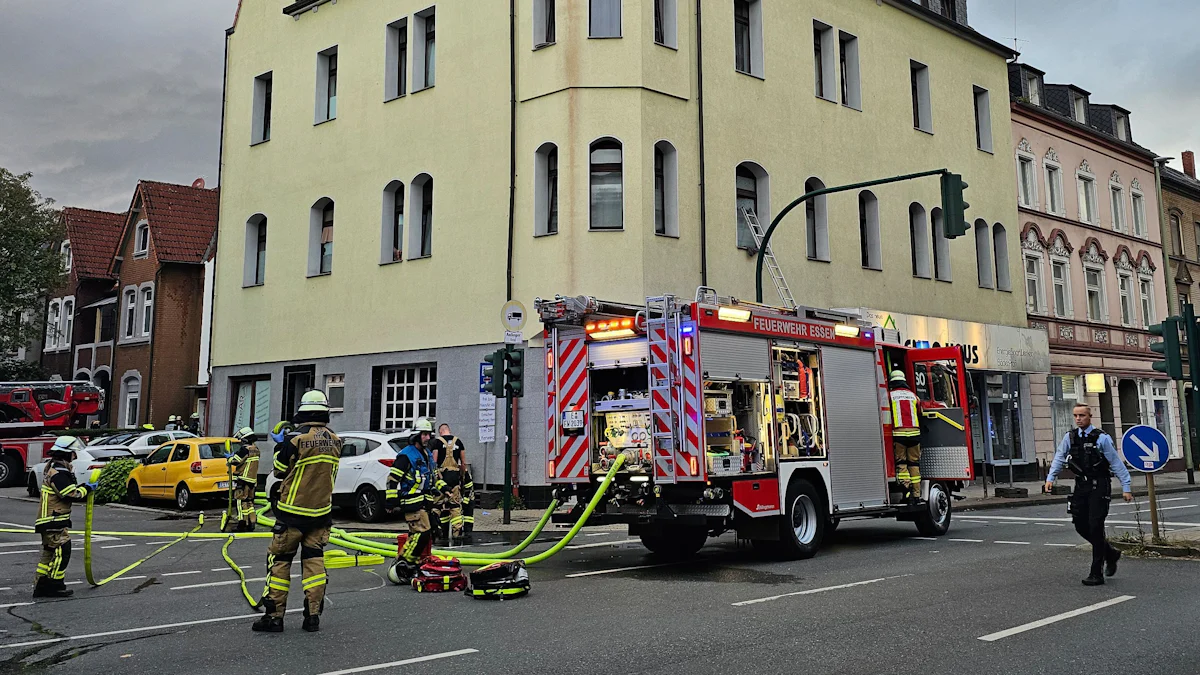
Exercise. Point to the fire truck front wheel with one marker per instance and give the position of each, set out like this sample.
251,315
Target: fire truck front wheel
10,470
803,525
934,519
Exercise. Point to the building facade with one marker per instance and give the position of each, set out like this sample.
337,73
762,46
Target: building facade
1181,206
608,152
1092,262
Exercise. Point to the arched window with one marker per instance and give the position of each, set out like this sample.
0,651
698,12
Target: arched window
320,238
420,242
868,231
607,200
816,222
254,267
918,235
131,397
147,309
391,232
666,189
941,247
130,312
65,250
1000,246
141,240
1176,236
753,194
983,253
53,316
68,323
545,190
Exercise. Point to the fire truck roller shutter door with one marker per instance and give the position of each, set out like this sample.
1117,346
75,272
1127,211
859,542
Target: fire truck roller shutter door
854,434
734,357
619,353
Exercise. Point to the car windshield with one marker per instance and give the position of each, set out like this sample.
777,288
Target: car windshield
397,444
217,450
113,439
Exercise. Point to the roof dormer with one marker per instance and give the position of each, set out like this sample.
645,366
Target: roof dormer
1026,83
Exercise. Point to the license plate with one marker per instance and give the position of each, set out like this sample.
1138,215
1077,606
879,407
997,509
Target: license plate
572,419
223,485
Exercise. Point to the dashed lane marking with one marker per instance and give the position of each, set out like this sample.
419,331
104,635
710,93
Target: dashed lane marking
16,552
219,583
969,541
405,662
1019,543
1067,520
1052,524
15,604
118,546
141,629
1064,545
179,574
813,591
992,637
605,543
599,534
973,522
226,569
924,538
624,569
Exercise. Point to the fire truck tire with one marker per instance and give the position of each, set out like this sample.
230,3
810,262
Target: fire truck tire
831,525
676,543
10,471
804,524
934,520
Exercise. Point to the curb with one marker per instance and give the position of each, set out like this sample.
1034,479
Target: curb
1164,551
22,499
993,503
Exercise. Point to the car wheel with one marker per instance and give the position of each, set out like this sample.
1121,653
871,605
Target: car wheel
133,496
934,520
183,497
368,506
31,486
803,526
10,471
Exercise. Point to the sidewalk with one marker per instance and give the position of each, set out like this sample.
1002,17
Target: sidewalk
975,500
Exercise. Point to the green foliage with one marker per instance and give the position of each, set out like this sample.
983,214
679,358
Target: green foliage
12,370
113,479
30,232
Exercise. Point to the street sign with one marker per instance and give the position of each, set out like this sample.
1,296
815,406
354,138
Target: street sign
487,434
512,315
1145,448
484,379
513,337
487,418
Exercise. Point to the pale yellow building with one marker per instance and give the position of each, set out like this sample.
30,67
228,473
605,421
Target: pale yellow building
604,152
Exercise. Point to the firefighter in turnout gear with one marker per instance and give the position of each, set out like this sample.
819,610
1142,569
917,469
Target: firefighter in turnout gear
54,518
1091,455
906,434
243,465
411,486
452,474
306,462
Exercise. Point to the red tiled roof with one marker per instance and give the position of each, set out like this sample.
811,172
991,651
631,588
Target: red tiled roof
182,220
93,236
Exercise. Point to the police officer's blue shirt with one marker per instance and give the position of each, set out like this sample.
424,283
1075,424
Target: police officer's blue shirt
1106,446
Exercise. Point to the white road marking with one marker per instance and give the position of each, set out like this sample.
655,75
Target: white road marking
158,543
1064,545
179,574
405,662
623,569
226,569
141,576
1052,524
812,591
73,583
992,637
925,538
6,588
119,546
9,544
969,541
16,552
605,543
598,534
15,604
126,631
974,522
231,582
1021,543
1067,520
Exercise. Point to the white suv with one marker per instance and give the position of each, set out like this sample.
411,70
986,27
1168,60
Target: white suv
361,482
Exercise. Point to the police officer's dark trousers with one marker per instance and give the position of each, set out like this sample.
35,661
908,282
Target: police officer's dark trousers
1089,509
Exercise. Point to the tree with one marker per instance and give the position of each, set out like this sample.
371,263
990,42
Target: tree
30,230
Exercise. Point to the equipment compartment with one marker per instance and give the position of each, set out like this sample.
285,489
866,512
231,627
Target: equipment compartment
737,428
621,419
798,406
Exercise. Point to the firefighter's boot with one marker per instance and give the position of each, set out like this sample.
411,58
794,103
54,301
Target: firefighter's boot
268,624
47,588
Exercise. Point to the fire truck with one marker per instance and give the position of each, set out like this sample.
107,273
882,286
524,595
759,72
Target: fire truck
29,410
771,422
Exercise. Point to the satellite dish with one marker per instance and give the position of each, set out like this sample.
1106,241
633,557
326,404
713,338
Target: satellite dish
198,183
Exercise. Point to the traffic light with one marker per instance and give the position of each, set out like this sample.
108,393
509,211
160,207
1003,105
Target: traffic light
514,371
493,373
1172,363
954,207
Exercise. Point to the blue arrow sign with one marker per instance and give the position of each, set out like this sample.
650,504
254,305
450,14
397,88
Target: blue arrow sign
1145,448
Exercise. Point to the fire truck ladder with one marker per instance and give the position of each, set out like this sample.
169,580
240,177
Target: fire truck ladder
662,327
756,230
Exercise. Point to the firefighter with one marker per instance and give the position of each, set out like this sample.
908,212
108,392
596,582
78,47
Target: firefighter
172,423
193,425
451,474
243,465
1091,455
306,462
410,485
906,434
54,518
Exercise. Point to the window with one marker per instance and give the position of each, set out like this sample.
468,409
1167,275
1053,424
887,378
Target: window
816,222
1025,186
395,82
260,254
1155,407
1139,213
335,391
132,388
1197,232
251,404
64,250
428,49
260,126
1093,278
604,18
543,23
918,235
421,242
753,194
983,119
53,317
1087,199
409,393
391,237
1121,126
1060,271
1176,236
327,73
147,310
607,192
1117,203
941,247
851,86
983,253
824,60
666,189
326,264
130,312
68,323
1054,190
545,187
254,265
1035,91
1146,293
141,241
1080,106
748,38
1184,299
1000,248
320,237
1125,289
1034,299
868,231
665,23
919,81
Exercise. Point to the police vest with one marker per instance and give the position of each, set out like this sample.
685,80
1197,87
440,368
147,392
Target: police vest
905,417
1085,457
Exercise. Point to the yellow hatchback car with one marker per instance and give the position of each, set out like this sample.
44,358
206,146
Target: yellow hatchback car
182,470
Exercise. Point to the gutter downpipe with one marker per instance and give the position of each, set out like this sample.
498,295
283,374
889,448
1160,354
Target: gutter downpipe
700,104
512,143
217,235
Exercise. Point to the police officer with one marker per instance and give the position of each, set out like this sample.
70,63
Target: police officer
306,462
906,434
243,465
1091,455
410,485
452,473
54,518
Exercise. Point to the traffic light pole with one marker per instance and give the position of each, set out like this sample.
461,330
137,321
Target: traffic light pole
1193,347
762,250
508,458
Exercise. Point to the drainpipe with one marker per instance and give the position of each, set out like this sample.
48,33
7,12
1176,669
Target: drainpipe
512,143
700,105
1175,310
153,339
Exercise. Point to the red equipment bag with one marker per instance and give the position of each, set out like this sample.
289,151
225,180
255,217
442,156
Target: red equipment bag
438,575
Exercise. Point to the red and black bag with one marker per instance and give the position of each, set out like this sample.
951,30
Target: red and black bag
437,575
500,580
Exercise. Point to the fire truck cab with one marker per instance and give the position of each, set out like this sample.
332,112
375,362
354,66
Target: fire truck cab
772,422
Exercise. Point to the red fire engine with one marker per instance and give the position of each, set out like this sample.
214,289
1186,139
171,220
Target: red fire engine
731,415
28,410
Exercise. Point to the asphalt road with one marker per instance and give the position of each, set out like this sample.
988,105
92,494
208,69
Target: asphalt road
999,593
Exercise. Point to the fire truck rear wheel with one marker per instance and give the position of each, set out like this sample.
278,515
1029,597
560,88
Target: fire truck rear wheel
10,471
934,520
676,543
804,524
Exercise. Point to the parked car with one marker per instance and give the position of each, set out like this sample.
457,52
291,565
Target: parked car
366,459
139,443
183,470
85,461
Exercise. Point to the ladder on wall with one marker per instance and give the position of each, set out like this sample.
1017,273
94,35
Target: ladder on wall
662,329
772,265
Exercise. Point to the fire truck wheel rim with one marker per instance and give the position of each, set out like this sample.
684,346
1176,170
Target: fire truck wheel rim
939,503
804,519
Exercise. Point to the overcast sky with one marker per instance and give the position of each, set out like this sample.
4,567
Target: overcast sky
99,93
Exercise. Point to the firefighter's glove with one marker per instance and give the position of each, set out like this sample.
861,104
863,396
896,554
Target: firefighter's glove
92,486
278,436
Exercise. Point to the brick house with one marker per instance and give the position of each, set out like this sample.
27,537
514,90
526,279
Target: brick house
160,269
78,338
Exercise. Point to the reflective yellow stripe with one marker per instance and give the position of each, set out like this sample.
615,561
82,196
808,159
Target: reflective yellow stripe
907,433
391,494
296,478
311,582
317,459
280,466
947,420
301,511
279,584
